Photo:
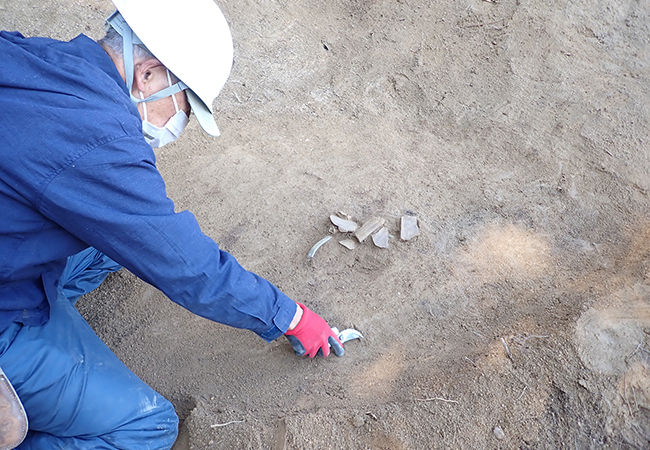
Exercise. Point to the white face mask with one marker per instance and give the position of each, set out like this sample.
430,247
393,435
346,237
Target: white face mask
156,136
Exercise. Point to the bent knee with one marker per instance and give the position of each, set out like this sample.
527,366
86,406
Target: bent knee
156,426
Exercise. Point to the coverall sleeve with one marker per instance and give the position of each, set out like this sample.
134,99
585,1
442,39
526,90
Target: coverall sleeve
113,198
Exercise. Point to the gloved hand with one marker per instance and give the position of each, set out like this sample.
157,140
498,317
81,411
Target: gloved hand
313,336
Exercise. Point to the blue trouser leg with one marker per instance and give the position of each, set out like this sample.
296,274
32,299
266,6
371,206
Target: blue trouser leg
77,393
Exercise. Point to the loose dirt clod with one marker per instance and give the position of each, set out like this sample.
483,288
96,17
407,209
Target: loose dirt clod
358,421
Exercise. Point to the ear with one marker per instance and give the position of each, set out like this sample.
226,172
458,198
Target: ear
143,76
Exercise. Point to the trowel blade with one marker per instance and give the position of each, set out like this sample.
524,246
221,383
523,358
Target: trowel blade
347,335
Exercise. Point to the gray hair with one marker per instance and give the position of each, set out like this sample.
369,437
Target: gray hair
114,41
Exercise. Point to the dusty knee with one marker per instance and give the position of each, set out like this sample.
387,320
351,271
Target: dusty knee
159,423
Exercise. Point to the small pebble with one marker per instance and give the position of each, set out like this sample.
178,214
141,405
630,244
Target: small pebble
498,432
358,421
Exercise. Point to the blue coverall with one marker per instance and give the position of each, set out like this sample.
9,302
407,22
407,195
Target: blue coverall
80,195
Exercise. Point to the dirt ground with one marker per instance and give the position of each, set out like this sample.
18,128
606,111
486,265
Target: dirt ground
518,133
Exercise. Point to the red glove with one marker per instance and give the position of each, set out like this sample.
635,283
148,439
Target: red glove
313,336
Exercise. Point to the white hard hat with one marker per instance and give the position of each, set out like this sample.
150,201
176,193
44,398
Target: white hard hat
191,38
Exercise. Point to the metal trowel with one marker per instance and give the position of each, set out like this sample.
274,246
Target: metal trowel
347,335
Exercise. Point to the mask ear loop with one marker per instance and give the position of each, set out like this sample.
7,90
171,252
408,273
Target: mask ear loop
144,106
169,80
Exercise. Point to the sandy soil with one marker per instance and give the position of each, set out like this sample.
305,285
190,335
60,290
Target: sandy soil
516,131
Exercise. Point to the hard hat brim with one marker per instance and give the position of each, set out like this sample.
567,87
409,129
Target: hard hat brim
203,114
